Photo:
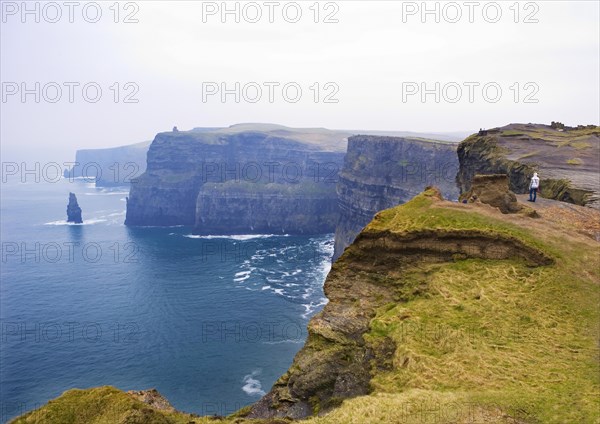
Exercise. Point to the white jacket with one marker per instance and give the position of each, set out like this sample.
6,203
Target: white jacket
535,182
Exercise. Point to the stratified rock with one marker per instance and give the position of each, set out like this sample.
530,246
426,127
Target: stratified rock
566,160
233,208
238,181
382,172
493,190
73,210
337,360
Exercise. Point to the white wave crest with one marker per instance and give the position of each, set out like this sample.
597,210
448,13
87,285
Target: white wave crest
85,222
252,386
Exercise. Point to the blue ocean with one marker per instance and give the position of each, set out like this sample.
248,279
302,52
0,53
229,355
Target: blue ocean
210,322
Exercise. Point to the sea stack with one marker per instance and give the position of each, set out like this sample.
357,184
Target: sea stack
73,210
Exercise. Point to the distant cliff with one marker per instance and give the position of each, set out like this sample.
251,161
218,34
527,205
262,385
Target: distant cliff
382,172
235,208
241,179
116,166
566,159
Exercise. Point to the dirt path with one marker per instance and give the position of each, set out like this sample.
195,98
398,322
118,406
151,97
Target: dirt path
579,218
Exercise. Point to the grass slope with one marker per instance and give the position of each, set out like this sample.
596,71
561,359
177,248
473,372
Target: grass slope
481,341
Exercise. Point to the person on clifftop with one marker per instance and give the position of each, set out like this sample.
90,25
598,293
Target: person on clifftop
533,187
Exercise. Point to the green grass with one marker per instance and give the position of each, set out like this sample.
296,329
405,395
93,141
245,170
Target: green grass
477,340
417,215
487,340
100,405
580,145
530,154
574,161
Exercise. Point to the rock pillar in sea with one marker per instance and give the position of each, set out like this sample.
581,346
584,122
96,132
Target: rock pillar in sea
73,210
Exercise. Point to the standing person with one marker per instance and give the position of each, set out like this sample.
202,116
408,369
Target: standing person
533,187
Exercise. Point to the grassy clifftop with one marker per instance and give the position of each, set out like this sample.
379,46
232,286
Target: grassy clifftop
439,312
566,159
483,340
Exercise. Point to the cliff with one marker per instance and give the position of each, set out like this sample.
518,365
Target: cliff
438,312
567,160
116,166
252,178
382,172
448,312
236,208
73,210
273,179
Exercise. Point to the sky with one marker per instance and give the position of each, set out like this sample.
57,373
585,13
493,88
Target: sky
373,65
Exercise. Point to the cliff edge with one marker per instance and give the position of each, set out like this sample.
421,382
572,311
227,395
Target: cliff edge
383,172
567,159
241,180
438,312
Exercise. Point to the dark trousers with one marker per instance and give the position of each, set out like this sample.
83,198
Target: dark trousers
532,194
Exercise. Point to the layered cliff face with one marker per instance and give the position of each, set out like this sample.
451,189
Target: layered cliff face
382,172
236,180
566,160
448,307
236,208
116,166
438,312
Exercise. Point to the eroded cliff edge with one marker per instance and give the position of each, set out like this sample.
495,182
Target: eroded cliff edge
439,312
246,179
382,172
437,302
567,159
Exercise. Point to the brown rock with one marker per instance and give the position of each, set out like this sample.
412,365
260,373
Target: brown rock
493,190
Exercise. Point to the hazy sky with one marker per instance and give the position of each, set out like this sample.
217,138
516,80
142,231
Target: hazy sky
376,54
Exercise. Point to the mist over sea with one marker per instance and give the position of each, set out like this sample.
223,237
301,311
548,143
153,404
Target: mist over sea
211,322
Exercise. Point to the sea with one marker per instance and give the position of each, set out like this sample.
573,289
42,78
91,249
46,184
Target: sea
211,322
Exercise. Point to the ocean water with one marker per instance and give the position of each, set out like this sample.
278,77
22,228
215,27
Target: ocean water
211,322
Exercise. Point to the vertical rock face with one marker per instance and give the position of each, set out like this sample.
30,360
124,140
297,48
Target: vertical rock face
266,209
566,160
232,182
340,358
382,172
116,166
73,210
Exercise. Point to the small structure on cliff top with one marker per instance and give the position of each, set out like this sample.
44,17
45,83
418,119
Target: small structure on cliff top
73,210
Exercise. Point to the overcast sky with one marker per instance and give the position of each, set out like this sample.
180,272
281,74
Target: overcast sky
373,56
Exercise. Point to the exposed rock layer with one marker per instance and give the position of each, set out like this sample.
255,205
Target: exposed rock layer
493,190
337,361
382,172
567,160
231,182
